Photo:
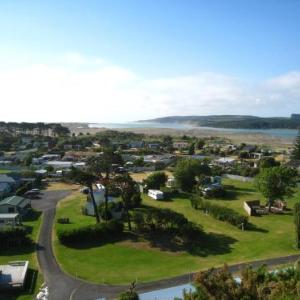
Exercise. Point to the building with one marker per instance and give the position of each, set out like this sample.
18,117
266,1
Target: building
5,189
9,220
13,275
223,161
99,196
156,194
8,179
15,204
180,145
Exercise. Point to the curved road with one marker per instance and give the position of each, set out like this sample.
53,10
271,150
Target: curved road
64,287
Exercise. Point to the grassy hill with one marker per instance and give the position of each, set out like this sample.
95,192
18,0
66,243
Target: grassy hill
234,121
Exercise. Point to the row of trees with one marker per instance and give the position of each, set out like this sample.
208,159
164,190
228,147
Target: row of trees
49,129
255,284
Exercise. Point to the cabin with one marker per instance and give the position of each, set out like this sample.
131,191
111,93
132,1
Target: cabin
9,220
156,194
180,145
15,204
13,275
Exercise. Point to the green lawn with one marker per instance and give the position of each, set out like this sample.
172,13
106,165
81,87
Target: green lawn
3,171
123,261
33,223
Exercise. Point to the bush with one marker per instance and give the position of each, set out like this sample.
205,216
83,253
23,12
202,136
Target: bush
90,233
169,192
12,237
221,213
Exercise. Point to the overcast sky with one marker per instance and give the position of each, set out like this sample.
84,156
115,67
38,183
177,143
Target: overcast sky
118,61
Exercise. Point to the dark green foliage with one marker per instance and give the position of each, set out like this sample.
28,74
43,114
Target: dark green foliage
297,223
13,237
186,171
90,233
131,294
160,221
276,182
268,162
256,284
169,192
219,212
156,180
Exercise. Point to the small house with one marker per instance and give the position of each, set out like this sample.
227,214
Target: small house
15,204
180,145
13,275
156,194
9,220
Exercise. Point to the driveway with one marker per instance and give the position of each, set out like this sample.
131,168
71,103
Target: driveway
64,287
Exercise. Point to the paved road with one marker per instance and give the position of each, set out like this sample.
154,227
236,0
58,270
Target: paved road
65,287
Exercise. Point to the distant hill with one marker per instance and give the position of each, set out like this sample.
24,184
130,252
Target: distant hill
234,121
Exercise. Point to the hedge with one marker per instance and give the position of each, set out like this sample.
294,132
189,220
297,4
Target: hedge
12,237
221,213
98,232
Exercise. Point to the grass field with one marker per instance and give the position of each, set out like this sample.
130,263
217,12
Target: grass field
33,223
3,171
124,261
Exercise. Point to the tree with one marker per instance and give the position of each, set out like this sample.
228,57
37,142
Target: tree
192,149
186,172
129,194
297,223
200,144
86,179
103,164
296,149
156,180
276,182
268,162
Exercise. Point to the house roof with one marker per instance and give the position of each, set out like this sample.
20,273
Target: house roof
4,186
7,179
15,201
8,216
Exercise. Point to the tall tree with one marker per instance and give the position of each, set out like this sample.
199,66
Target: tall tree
297,223
88,180
129,194
156,180
296,149
277,182
186,173
102,167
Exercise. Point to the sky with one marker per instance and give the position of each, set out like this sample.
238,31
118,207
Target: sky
125,60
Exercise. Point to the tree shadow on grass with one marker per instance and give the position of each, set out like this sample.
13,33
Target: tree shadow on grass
252,227
206,244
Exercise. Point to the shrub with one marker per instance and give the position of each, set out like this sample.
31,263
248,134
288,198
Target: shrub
90,233
219,212
169,192
12,237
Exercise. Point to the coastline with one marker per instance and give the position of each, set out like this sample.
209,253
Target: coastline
235,137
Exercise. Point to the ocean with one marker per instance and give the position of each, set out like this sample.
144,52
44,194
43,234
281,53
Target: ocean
281,133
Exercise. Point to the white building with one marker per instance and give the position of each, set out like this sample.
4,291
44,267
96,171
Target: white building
13,274
156,194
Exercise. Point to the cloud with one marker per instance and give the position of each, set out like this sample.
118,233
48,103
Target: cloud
80,88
